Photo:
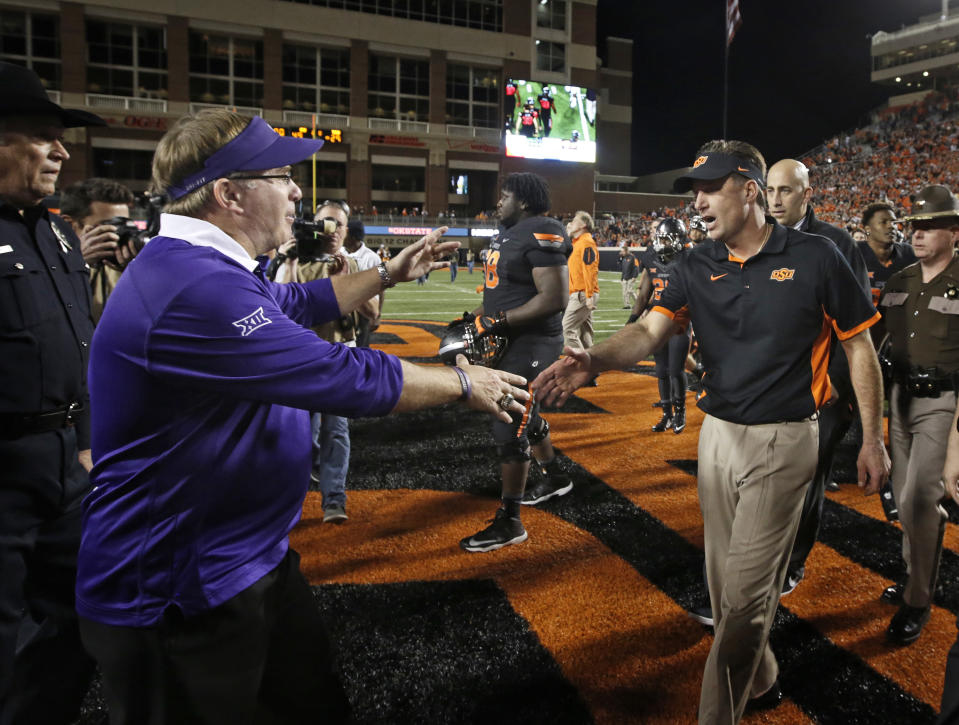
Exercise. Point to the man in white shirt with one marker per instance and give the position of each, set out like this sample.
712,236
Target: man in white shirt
365,258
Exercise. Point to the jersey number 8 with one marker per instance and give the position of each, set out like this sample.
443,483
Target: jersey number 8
492,279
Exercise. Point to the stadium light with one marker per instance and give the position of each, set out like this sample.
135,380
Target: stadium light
925,74
898,79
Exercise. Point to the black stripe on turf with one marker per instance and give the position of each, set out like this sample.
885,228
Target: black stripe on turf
443,652
819,676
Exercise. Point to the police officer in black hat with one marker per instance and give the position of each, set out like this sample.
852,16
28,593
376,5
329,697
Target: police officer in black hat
45,332
921,304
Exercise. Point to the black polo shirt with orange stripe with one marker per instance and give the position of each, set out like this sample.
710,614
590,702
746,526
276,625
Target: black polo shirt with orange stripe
764,323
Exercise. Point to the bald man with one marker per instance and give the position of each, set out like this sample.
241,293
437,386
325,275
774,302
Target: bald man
789,197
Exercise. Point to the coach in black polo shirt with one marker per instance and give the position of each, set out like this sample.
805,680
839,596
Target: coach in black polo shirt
764,300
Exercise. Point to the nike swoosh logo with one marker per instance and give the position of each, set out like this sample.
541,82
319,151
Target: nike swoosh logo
740,168
714,277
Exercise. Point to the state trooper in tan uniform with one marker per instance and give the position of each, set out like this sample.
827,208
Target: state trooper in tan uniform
921,304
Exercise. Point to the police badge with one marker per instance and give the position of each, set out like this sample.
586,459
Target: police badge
65,245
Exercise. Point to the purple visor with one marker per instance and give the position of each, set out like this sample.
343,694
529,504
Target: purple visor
257,147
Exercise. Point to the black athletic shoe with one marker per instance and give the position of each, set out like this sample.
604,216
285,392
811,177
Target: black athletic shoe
666,421
679,419
832,486
793,577
546,488
502,531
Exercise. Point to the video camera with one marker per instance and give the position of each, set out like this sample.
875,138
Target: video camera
128,231
313,238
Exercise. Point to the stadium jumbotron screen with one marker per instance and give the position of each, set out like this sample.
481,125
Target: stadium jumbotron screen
547,121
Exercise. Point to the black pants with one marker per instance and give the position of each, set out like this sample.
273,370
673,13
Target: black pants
261,657
44,670
834,421
671,366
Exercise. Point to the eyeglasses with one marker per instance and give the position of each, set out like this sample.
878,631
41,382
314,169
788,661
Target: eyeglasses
288,178
337,203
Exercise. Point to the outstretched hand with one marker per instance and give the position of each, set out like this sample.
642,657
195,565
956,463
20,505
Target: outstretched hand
421,257
561,379
872,467
491,386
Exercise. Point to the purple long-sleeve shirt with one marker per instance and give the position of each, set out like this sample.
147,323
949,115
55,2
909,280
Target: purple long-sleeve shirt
201,376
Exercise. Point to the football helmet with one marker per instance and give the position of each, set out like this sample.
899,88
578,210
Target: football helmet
669,239
697,222
460,338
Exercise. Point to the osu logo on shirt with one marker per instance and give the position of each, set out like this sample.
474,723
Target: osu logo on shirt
781,275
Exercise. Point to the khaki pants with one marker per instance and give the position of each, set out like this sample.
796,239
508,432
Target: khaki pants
629,291
918,438
578,321
752,482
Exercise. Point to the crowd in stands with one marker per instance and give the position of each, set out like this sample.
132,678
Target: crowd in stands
901,150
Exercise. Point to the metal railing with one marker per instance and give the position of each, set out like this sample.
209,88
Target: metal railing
323,120
492,135
419,221
244,110
146,105
396,124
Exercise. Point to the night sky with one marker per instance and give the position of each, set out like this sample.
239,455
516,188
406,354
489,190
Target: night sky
798,71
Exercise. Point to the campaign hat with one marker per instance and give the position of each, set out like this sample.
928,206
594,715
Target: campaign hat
934,202
23,94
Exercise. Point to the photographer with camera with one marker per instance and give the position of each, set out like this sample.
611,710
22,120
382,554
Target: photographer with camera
202,372
316,252
99,212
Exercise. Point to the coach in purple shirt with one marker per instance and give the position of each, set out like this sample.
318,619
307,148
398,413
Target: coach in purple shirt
201,375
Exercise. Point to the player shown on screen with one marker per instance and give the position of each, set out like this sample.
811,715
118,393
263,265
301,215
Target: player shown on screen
528,122
546,106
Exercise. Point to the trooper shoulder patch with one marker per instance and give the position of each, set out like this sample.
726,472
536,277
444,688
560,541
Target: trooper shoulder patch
252,322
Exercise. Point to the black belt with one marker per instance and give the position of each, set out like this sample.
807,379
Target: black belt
17,425
925,383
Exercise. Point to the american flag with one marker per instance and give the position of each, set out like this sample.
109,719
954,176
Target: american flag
734,19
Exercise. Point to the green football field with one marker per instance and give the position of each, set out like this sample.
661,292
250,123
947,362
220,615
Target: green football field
565,119
440,301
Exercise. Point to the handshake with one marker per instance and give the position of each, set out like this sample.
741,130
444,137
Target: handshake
481,338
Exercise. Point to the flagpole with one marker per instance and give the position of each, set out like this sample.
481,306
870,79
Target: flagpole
725,83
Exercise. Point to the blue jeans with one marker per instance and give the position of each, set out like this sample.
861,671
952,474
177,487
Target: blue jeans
331,456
